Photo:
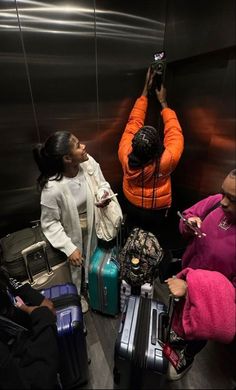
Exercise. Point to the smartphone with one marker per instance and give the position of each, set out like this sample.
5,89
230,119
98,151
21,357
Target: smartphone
111,196
159,56
159,66
193,227
103,200
16,301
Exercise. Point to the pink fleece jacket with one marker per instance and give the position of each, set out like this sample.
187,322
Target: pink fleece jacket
209,310
217,250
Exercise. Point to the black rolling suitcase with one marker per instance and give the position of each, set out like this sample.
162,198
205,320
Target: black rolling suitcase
139,359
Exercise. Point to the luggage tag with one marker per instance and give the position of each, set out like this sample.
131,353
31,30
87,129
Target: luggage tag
170,353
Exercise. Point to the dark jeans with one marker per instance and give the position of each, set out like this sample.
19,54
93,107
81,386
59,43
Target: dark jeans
148,219
193,347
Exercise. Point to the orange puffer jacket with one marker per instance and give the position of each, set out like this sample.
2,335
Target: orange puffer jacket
142,189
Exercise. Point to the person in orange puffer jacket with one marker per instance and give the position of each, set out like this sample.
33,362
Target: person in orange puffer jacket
147,162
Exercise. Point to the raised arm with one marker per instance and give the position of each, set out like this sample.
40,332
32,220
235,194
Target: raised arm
161,96
173,136
136,119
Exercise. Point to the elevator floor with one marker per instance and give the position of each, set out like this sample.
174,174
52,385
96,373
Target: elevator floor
213,368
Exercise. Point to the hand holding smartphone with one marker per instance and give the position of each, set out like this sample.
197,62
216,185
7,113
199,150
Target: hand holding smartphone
192,226
105,199
18,302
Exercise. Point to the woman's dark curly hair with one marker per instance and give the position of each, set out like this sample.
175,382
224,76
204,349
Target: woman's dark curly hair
146,145
49,156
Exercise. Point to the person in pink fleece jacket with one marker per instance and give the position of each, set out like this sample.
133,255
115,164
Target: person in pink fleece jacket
213,251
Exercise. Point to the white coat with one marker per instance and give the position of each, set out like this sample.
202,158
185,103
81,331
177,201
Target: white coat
60,219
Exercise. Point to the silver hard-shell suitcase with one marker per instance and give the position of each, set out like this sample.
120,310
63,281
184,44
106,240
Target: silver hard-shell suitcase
146,290
139,361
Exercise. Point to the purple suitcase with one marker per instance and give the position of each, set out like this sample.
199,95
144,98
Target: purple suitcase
71,335
60,290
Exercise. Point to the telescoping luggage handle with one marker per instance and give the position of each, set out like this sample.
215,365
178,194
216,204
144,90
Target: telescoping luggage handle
34,248
167,349
165,321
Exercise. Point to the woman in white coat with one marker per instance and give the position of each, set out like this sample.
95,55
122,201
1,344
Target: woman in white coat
68,199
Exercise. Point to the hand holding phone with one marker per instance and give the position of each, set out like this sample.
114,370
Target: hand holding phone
159,66
192,225
18,302
102,201
110,196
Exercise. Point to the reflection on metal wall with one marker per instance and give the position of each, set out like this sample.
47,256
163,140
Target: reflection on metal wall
53,87
203,94
17,124
196,27
74,65
127,38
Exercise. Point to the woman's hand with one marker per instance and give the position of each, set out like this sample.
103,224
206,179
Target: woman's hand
22,306
177,287
49,304
148,81
161,96
194,222
76,258
29,309
103,202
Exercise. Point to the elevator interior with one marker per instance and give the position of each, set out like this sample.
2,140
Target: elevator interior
79,65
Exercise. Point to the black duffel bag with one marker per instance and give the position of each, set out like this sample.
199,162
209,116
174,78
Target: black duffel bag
11,257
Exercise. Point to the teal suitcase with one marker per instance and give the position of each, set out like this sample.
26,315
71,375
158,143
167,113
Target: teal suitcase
103,281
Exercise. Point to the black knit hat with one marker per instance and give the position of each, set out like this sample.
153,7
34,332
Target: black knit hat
146,145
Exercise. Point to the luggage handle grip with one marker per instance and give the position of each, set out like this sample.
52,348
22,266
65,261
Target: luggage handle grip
32,248
35,223
162,326
154,327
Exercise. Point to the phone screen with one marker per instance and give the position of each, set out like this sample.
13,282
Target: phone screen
159,56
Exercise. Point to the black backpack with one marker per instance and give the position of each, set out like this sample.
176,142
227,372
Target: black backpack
142,245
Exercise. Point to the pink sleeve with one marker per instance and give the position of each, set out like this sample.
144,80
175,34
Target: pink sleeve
200,209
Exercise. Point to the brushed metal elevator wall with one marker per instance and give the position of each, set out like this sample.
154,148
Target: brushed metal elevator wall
200,42
76,65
